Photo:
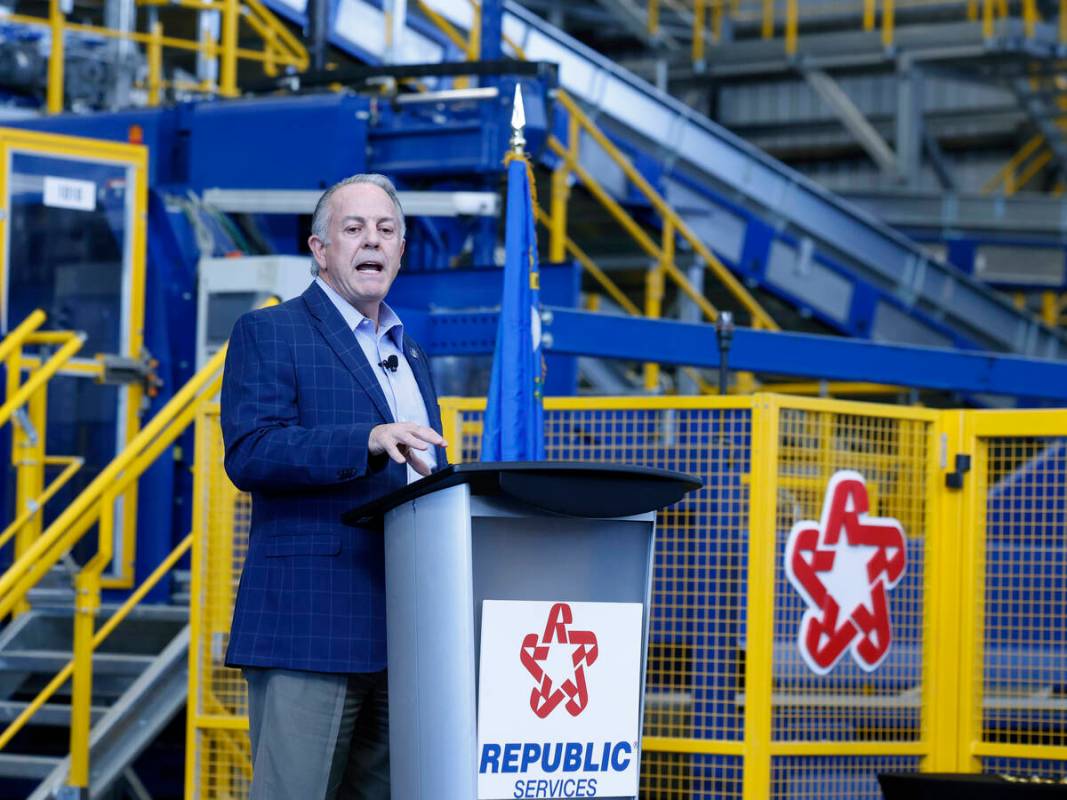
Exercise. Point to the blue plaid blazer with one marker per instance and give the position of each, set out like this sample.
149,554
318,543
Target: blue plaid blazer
299,400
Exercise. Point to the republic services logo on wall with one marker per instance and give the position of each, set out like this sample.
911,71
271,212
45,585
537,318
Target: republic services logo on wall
844,566
558,699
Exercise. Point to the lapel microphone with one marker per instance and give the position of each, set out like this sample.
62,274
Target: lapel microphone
391,363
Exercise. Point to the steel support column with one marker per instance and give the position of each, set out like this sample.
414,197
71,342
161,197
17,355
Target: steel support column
492,33
318,31
688,311
909,121
121,15
396,16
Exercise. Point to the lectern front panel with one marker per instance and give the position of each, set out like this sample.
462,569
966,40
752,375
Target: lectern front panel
448,551
520,554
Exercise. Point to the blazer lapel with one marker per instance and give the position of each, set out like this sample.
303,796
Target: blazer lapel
343,342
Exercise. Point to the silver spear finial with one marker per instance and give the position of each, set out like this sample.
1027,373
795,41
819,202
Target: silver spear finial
518,122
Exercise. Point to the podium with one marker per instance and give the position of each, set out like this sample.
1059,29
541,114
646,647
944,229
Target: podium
515,531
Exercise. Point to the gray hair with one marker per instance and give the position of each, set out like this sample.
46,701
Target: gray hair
320,220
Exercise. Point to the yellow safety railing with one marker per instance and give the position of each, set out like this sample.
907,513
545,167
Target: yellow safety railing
1020,169
673,226
96,506
216,712
790,17
730,710
27,403
1053,308
1030,159
280,47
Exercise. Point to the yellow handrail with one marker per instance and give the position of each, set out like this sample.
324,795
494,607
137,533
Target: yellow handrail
792,24
765,15
613,291
1027,173
767,23
699,31
1004,174
296,47
597,274
888,19
74,463
68,528
98,638
280,46
17,337
760,318
41,376
28,450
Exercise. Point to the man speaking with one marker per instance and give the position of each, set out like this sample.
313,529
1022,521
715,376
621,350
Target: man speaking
326,404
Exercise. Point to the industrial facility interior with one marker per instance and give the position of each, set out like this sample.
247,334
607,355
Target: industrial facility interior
777,239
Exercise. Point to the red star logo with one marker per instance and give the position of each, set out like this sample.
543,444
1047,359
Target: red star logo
545,696
845,581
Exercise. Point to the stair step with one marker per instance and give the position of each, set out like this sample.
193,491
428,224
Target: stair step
55,715
54,660
19,765
58,596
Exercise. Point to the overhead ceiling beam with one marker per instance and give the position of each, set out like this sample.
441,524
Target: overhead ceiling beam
569,332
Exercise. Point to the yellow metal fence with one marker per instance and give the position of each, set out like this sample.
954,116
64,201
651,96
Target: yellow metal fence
975,678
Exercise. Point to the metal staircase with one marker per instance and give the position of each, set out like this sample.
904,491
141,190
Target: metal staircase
140,684
774,228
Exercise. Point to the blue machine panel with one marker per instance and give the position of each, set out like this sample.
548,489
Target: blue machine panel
291,143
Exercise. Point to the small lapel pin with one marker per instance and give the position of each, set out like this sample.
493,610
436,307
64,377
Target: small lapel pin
413,354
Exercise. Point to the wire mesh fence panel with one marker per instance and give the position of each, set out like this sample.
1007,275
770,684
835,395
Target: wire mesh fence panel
848,653
834,777
669,776
222,758
1021,695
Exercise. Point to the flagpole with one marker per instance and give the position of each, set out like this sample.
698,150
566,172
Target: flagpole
514,416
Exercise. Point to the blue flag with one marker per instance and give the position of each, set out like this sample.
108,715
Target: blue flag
514,415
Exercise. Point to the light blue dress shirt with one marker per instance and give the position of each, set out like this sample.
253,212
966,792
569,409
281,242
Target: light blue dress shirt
400,388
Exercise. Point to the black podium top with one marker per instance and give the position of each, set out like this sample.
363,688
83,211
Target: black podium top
578,489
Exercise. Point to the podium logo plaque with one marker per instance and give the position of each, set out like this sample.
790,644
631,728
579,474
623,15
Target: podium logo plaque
558,699
546,696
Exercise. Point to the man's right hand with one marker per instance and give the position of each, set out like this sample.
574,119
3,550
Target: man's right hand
399,439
